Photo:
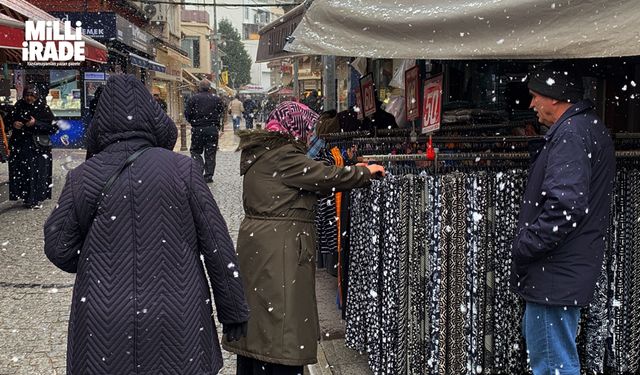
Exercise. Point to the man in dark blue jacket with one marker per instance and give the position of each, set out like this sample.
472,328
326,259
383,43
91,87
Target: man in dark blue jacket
204,111
558,250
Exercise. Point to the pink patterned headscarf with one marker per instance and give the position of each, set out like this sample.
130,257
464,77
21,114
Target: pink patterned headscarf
292,118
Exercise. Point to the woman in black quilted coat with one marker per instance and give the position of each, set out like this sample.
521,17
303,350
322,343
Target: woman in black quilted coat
141,303
30,159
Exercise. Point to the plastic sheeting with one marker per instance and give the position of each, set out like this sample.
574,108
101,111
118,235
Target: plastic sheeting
470,29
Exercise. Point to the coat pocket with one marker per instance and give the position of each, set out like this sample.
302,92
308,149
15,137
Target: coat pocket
305,248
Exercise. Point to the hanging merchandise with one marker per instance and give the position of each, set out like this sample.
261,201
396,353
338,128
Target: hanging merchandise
430,263
427,296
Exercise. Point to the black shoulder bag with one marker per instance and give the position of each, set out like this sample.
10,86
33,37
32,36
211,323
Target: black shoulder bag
113,179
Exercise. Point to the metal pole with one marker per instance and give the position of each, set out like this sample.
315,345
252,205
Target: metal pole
296,89
329,90
183,136
216,39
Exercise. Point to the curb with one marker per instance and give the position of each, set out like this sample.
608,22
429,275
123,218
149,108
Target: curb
322,367
4,191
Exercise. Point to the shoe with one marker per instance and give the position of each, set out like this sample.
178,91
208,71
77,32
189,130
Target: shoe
208,180
33,206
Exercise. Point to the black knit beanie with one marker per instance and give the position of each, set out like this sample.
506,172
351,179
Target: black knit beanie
557,82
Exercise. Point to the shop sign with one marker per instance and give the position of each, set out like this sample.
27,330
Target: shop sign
99,26
412,93
133,36
368,95
358,108
432,100
95,76
53,43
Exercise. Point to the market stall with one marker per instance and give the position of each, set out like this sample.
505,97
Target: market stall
423,280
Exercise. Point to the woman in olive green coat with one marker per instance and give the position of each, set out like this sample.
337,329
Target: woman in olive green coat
277,240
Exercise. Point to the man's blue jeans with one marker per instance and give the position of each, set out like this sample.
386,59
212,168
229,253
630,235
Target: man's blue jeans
236,123
550,334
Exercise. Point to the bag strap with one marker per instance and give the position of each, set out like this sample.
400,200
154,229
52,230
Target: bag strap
113,179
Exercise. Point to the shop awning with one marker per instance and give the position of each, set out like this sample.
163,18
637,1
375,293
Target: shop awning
166,77
146,63
190,78
15,12
274,36
461,29
252,89
228,90
173,52
282,91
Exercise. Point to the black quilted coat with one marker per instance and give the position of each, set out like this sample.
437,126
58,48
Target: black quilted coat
141,303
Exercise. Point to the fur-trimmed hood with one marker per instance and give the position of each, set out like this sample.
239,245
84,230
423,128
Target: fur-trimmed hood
254,144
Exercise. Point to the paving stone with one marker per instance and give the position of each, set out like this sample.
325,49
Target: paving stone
35,297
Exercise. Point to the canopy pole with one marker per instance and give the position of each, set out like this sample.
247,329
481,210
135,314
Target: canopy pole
329,92
296,88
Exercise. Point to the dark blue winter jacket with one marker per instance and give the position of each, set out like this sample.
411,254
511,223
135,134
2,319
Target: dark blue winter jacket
141,300
558,250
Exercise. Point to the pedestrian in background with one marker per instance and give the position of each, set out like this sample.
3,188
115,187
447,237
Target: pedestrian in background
327,124
204,111
250,107
277,240
161,102
141,301
313,101
236,108
558,250
30,158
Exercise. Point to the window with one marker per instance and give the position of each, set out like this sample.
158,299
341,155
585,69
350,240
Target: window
64,97
250,31
192,46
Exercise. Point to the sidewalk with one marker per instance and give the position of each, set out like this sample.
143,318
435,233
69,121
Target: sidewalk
26,264
334,358
4,182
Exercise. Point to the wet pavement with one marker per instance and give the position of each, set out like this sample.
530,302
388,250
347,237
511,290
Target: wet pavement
35,296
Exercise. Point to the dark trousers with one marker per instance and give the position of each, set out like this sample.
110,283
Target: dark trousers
30,172
250,366
248,122
205,140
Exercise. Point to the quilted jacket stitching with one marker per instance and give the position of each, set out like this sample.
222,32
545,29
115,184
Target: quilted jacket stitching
218,252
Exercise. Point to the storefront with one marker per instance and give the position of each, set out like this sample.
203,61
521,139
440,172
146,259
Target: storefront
129,51
167,84
434,297
130,48
63,88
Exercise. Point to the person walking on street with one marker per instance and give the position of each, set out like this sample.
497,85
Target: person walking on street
204,111
236,108
141,300
277,241
30,158
250,107
558,250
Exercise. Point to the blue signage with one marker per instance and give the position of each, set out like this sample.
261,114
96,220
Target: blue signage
70,135
95,76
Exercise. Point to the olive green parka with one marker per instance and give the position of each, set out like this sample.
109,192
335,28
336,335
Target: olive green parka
277,245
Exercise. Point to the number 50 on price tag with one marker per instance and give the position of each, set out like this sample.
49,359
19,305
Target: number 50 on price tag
432,100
